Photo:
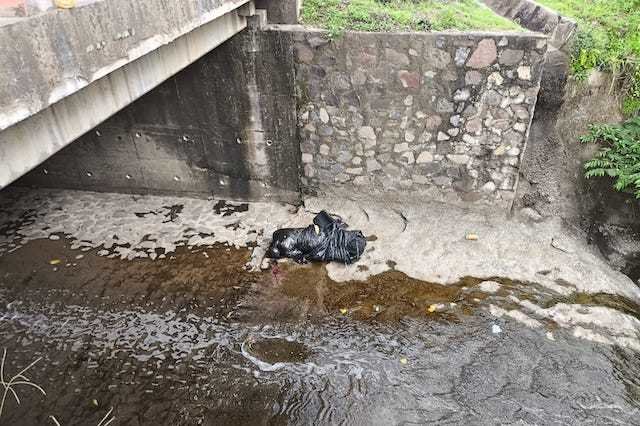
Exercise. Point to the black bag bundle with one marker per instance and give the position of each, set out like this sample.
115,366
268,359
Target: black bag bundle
325,241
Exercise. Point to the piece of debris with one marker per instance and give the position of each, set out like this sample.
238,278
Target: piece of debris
496,329
432,308
550,336
472,237
343,311
557,244
326,240
54,261
403,361
489,286
54,237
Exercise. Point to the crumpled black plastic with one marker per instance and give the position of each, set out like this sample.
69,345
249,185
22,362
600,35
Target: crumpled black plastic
327,240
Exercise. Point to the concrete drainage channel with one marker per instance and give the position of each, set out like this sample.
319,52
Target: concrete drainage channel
148,307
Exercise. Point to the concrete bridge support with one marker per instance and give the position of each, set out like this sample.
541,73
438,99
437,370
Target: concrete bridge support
66,71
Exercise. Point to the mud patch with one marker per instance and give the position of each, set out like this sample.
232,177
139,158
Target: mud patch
202,279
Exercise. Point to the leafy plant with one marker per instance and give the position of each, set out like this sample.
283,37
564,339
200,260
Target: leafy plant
619,156
608,40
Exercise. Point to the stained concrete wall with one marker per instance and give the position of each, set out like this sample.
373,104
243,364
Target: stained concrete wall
223,127
281,11
437,115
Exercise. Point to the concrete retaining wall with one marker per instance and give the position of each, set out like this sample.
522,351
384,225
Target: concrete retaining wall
443,116
225,127
438,115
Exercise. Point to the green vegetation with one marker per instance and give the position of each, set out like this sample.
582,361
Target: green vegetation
619,156
608,40
401,15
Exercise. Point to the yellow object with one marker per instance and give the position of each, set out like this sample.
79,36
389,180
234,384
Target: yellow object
472,237
432,308
403,361
65,4
343,311
54,261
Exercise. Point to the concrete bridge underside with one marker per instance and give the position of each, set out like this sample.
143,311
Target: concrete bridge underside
66,71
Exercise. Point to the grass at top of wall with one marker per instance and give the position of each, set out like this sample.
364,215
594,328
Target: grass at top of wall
608,39
338,16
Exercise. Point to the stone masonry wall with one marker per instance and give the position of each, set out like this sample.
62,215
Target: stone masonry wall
440,115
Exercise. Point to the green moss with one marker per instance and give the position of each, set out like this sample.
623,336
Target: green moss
338,16
608,40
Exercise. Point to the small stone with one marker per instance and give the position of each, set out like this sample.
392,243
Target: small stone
373,165
462,53
413,52
54,237
495,79
503,42
510,57
512,138
325,131
520,127
409,136
473,78
324,150
408,101
358,78
458,158
367,132
443,136
420,115
461,95
500,150
470,139
307,158
524,73
493,98
354,171
474,126
317,41
309,171
484,55
530,214
396,58
409,79
304,54
401,147
455,120
469,111
440,59
360,180
356,161
324,115
433,122
521,112
444,105
513,152
425,157
420,180
409,157
488,187
453,132
489,286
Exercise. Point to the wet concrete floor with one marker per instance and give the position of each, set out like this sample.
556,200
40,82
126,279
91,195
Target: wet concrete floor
194,338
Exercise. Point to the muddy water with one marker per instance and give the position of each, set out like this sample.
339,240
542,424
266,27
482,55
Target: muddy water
194,338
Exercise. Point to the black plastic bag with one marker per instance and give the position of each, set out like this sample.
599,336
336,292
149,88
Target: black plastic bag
326,240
